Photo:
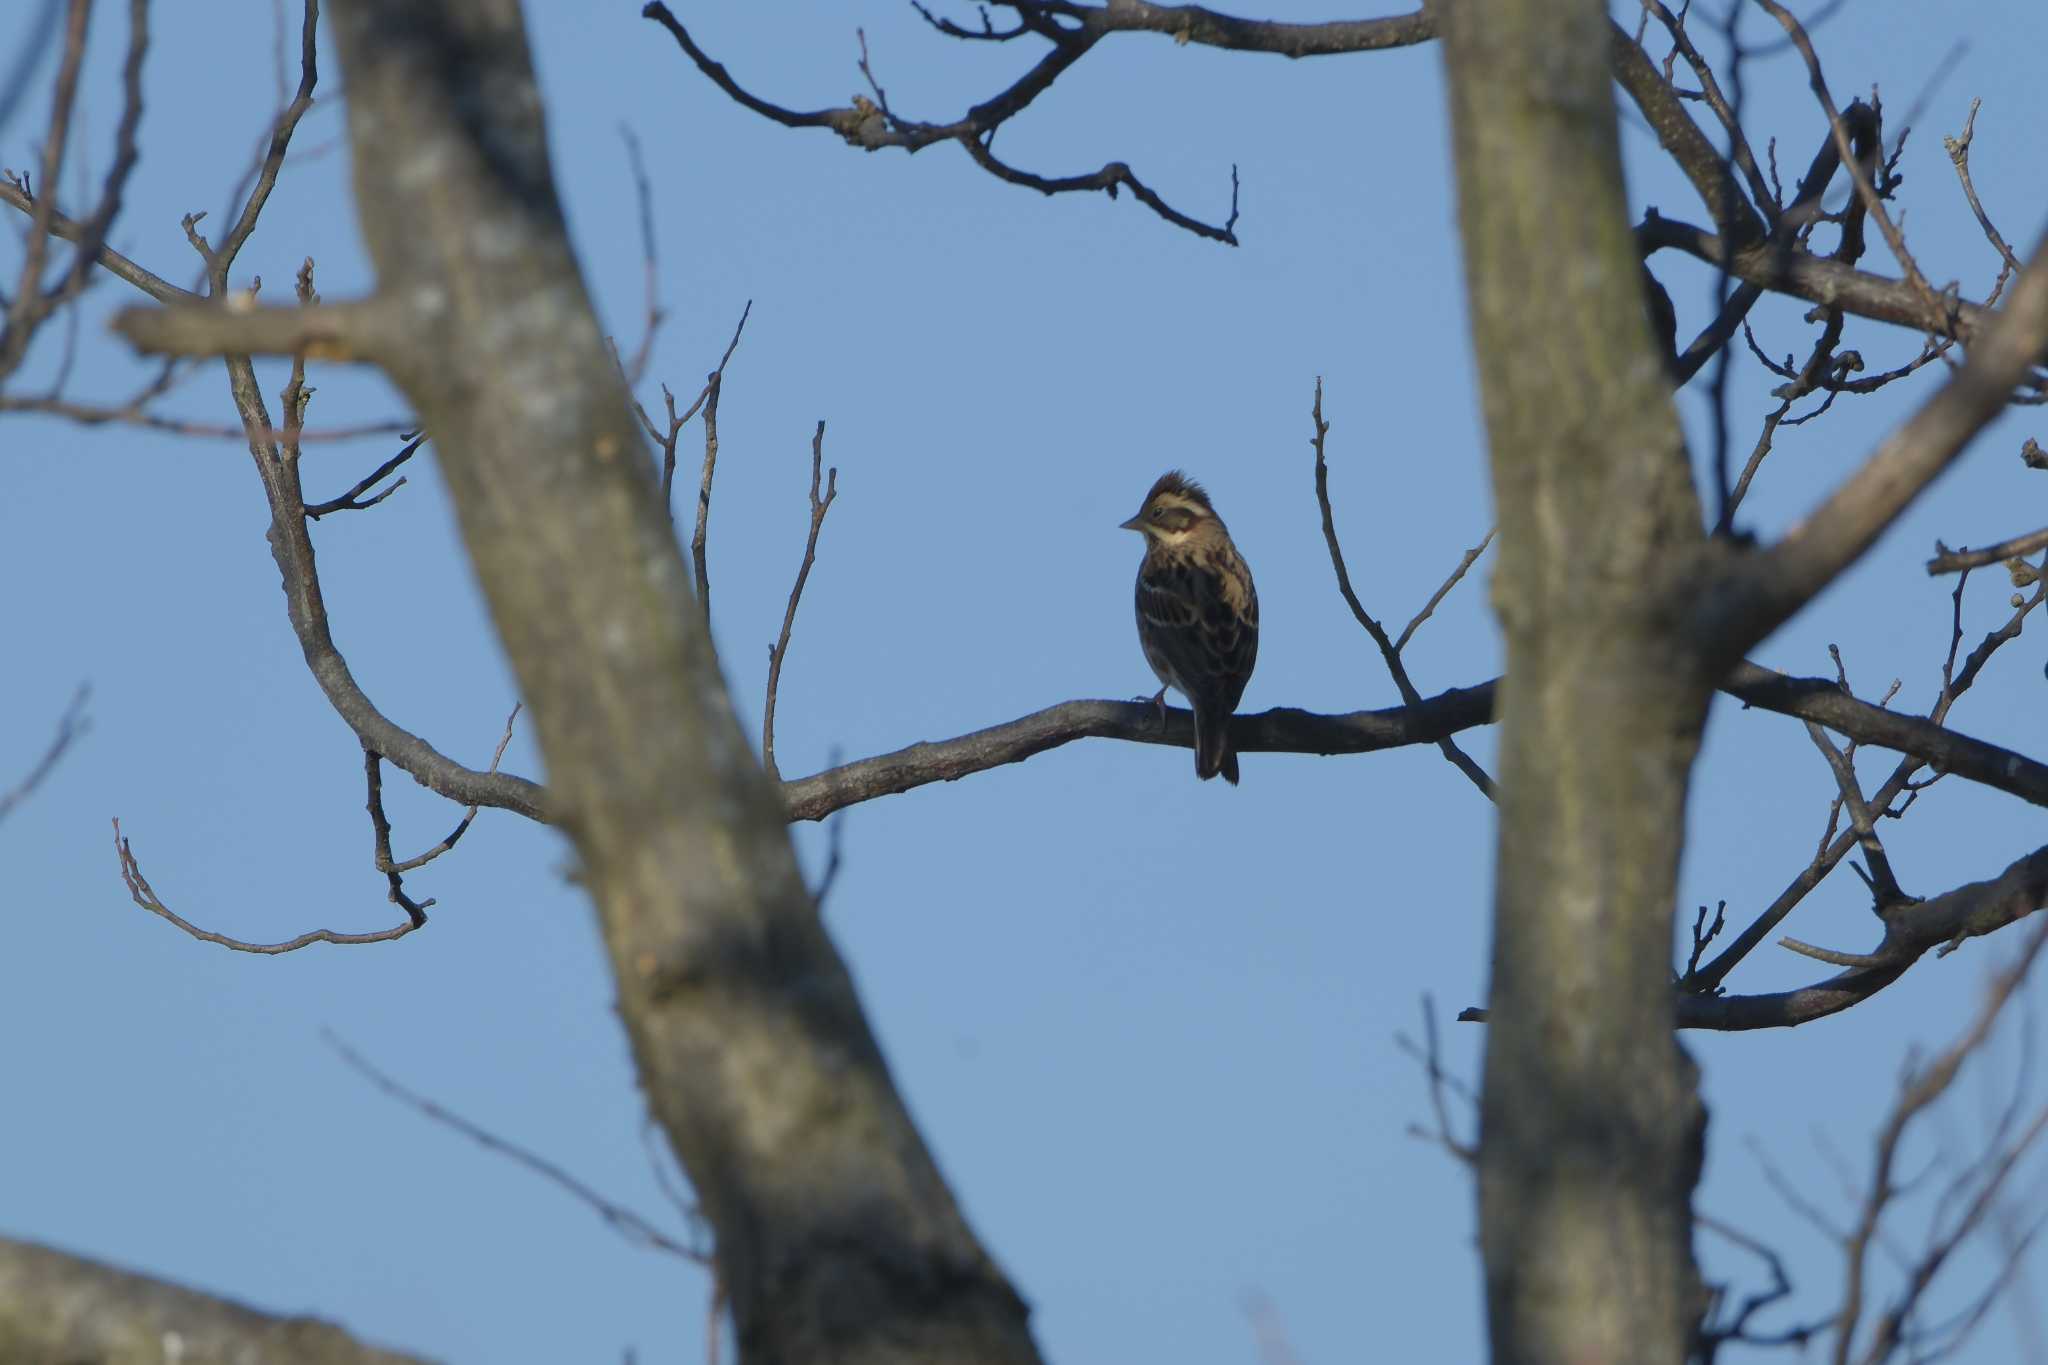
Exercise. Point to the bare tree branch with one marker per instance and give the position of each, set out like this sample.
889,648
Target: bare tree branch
1436,598
634,1227
1958,148
353,500
58,1307
650,262
1830,704
1711,176
1816,279
1921,1087
144,895
1939,925
871,124
1911,930
33,302
1955,561
776,651
1873,202
386,862
70,726
708,401
1884,885
1207,27
1756,593
128,414
37,35
1389,651
1283,730
1725,113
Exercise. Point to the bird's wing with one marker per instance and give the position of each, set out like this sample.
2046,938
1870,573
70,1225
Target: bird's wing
1208,639
1168,598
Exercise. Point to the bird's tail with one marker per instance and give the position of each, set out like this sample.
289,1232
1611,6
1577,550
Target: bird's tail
1213,753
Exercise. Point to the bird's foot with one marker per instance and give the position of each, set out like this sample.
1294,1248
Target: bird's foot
1158,699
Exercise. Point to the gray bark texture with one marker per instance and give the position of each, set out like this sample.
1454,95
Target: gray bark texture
1590,1122
66,1310
837,1239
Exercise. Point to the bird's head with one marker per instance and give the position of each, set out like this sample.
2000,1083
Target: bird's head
1174,511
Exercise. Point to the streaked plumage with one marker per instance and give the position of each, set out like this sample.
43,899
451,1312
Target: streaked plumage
1198,613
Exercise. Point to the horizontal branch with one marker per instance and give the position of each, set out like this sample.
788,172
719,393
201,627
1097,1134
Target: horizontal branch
95,414
56,1306
1955,561
1912,930
1282,730
1945,750
1288,730
1206,27
1817,279
328,331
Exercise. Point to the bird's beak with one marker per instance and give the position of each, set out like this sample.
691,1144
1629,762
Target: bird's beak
1132,524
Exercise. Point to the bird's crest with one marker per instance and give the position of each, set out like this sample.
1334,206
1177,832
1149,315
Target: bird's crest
1173,481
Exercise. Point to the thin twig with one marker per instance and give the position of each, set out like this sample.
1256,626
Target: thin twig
31,303
714,384
835,856
650,267
698,561
1873,202
1920,1089
128,414
384,863
1780,1288
1442,1085
1436,598
1958,148
1390,652
870,125
353,500
394,871
286,123
70,726
628,1224
1703,934
780,648
1884,887
381,855
1954,684
145,896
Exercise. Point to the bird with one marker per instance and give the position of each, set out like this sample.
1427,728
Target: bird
1198,613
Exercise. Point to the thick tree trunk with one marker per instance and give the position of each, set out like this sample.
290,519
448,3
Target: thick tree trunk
1591,1126
837,1239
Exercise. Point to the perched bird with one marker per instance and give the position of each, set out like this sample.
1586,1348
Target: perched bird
1198,614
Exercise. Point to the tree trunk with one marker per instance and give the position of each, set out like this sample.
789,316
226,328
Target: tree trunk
837,1239
1591,1127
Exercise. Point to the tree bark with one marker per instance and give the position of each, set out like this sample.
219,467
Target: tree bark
837,1239
1591,1127
58,1307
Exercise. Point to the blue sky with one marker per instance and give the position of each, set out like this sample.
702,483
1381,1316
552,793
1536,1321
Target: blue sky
1147,1024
